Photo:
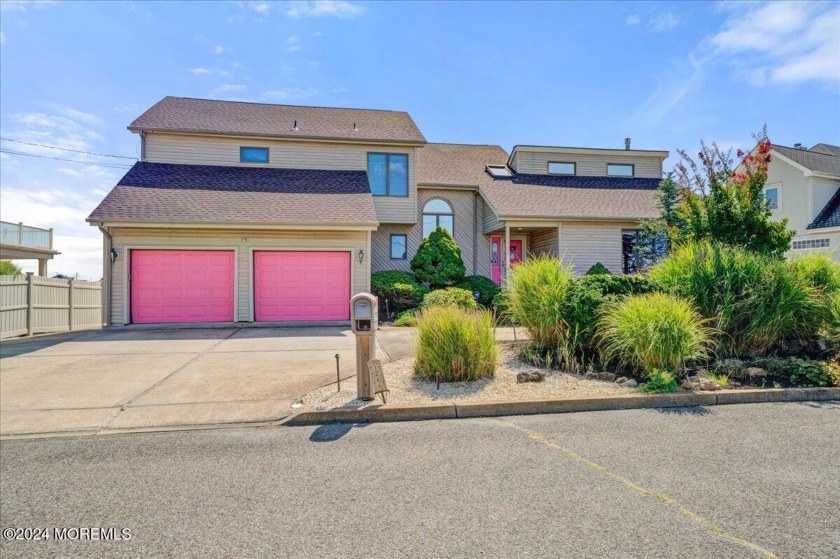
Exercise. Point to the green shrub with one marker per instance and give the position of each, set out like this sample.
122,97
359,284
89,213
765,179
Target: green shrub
814,373
537,290
501,310
484,286
8,268
653,332
755,301
659,381
397,290
587,295
456,344
438,260
406,318
820,271
451,296
598,269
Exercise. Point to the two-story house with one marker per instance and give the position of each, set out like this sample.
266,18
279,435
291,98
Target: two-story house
803,185
243,212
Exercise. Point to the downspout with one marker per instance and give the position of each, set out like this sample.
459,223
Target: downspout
108,265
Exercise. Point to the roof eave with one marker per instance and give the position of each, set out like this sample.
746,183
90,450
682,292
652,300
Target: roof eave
138,129
117,222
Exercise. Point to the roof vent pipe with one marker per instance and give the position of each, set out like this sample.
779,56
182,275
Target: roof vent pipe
295,127
627,144
354,128
797,146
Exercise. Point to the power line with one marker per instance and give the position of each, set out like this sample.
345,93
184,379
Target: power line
10,152
68,149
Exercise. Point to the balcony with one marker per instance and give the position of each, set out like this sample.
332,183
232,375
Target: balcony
24,242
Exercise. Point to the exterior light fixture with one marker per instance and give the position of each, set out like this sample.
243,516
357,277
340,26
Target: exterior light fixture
361,255
114,255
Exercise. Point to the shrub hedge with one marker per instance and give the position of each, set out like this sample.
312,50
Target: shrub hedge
484,286
397,291
452,297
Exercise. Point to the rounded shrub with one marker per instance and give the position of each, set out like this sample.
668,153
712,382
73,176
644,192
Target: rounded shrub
484,286
456,344
437,261
397,290
653,332
450,297
536,292
755,301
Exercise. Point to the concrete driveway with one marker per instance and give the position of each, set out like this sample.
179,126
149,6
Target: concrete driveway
139,378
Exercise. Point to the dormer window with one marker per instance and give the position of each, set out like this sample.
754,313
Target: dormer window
561,168
620,170
253,155
499,171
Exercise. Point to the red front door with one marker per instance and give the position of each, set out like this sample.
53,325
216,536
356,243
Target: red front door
497,256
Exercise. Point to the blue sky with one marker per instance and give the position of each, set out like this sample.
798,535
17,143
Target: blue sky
75,74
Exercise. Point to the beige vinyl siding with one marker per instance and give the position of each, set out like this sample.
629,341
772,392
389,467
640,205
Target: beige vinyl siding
585,243
490,219
544,241
514,162
243,241
219,150
465,225
536,163
482,262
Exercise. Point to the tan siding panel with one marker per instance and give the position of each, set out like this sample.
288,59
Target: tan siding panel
584,244
491,221
536,163
208,150
241,240
544,242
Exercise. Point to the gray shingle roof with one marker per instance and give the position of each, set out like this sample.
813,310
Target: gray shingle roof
827,148
185,114
457,164
829,216
816,161
165,192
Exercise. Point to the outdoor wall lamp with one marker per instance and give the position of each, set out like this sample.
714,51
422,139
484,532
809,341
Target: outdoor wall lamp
114,255
361,255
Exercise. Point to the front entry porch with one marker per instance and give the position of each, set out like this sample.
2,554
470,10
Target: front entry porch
516,241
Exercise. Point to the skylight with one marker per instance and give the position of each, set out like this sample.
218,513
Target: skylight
499,171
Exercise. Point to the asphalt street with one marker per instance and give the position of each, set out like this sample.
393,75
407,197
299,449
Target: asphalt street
757,480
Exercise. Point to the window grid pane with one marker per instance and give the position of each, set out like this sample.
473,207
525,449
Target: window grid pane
253,155
377,175
398,247
398,175
619,170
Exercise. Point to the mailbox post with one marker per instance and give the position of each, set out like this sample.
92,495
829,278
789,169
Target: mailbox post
363,323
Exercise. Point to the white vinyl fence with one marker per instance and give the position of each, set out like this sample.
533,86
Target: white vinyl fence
36,305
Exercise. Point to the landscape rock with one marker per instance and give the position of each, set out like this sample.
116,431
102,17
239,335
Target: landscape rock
609,377
708,385
691,385
530,376
756,372
629,383
621,380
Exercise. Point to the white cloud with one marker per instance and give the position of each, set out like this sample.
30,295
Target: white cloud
781,42
318,34
21,5
323,8
2,38
199,71
663,21
669,94
260,7
633,20
293,44
228,87
220,49
291,94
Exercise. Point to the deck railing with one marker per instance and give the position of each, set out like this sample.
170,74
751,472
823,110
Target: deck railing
25,235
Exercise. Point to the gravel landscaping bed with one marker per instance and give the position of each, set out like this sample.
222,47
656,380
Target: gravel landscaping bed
406,388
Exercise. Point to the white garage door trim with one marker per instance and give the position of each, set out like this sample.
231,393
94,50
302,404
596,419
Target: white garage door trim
125,256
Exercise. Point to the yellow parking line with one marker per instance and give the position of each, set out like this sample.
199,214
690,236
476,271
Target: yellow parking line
682,509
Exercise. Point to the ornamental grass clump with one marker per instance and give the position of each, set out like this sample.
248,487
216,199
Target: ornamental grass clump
454,344
653,332
755,301
536,291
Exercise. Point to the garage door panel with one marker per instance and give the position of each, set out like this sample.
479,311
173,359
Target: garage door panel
292,285
182,286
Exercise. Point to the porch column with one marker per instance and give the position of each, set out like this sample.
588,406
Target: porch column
42,267
507,251
559,238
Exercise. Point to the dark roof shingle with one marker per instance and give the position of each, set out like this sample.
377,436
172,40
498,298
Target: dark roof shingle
829,216
185,114
165,192
816,161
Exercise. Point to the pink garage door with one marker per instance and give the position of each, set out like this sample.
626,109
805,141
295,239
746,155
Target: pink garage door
181,286
301,286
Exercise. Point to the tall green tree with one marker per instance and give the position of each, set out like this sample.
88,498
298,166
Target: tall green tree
719,202
7,268
438,260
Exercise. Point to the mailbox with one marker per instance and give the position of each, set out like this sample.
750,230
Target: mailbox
363,314
363,323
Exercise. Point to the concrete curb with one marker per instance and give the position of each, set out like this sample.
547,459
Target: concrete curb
453,410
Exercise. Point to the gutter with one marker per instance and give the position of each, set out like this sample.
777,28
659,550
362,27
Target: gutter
108,266
332,139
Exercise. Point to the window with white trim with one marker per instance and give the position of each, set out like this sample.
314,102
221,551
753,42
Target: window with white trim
438,213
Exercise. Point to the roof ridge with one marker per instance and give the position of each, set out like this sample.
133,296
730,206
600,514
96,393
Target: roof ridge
464,144
807,150
285,104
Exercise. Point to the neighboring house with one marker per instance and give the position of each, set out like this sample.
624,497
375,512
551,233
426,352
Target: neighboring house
276,213
803,185
24,242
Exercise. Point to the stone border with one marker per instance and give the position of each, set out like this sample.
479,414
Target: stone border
454,410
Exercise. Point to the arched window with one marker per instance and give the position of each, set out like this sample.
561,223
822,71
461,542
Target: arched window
438,213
